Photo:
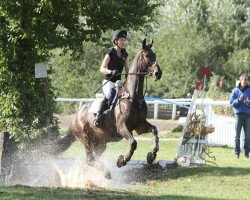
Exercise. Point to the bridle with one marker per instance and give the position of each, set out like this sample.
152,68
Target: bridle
149,71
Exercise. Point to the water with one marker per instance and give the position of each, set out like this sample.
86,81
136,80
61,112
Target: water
76,173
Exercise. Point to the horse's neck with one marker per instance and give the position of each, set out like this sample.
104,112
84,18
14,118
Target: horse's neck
135,83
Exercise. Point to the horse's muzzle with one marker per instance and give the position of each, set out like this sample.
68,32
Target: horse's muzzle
157,73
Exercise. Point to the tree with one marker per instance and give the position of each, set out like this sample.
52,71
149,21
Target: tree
197,33
29,30
183,47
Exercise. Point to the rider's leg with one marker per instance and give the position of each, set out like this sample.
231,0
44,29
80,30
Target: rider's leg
107,87
112,96
103,105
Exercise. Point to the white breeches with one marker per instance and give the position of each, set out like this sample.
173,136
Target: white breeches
107,88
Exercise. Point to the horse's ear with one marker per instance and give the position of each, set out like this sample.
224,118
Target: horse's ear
144,43
150,45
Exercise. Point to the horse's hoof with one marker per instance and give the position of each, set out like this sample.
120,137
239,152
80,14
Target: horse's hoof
120,162
151,157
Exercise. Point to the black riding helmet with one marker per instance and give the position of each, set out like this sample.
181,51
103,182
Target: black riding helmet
119,34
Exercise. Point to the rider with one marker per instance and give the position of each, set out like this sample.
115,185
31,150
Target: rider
112,65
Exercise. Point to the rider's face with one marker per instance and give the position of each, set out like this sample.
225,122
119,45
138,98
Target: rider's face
121,42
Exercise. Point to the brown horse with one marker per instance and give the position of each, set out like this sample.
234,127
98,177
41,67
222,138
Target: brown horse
129,114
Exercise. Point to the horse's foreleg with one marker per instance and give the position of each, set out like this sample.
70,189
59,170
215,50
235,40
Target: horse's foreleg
152,155
145,128
123,159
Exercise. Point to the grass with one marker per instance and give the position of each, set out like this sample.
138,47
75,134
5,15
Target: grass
229,179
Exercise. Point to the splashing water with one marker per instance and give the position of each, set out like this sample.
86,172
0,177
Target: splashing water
50,172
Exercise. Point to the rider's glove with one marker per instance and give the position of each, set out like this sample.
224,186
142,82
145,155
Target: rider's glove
114,72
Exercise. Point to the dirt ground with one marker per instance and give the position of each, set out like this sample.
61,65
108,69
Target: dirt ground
162,125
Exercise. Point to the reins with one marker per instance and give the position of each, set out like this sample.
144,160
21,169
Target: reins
122,74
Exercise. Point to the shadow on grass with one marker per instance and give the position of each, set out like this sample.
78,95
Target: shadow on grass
145,174
26,193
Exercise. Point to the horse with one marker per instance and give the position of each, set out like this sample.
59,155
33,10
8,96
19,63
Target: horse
128,114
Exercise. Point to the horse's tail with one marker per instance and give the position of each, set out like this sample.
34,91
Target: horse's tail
63,143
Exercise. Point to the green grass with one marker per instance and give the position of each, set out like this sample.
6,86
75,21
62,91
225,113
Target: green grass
167,150
229,179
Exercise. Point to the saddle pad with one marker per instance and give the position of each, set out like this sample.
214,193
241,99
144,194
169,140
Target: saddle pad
95,106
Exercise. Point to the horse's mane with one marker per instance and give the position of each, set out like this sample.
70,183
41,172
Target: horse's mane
137,63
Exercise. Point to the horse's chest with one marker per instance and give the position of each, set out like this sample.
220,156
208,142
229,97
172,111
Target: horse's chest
137,110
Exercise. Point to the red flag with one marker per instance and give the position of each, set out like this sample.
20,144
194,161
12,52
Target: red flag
206,71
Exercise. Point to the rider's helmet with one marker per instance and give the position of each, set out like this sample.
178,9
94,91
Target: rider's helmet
119,34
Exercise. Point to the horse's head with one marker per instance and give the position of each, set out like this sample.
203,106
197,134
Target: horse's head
149,63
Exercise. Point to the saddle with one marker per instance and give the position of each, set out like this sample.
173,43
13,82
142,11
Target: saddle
117,93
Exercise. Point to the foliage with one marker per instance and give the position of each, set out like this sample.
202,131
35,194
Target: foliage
196,128
201,33
76,77
29,30
72,37
217,91
189,35
181,59
238,63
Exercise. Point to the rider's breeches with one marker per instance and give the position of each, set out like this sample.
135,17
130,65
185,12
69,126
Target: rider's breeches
107,88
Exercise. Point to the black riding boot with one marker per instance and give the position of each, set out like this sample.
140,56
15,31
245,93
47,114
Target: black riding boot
99,114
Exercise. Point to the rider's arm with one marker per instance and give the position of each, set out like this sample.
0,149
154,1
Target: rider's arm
104,67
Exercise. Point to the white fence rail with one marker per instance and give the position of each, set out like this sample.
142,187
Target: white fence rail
224,126
156,102
224,133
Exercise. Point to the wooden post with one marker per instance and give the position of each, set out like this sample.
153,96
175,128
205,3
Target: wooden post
46,99
1,149
41,72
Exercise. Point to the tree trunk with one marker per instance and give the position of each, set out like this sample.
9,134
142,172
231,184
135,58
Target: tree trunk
9,154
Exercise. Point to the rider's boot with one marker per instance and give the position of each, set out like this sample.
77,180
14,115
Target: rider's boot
97,121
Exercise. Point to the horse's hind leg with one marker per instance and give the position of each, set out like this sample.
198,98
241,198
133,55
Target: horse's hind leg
93,152
145,128
99,149
123,159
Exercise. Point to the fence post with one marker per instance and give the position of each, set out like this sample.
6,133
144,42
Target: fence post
156,109
174,112
80,104
208,112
